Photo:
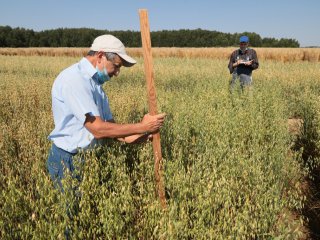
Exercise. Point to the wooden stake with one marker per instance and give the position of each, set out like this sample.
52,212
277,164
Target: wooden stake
152,100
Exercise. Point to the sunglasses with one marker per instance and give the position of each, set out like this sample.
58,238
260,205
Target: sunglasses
243,43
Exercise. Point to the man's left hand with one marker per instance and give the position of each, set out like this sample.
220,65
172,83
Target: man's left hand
138,138
248,63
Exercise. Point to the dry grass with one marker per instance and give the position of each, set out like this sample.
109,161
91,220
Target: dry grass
276,54
228,175
295,126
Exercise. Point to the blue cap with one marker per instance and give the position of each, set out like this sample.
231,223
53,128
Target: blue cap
244,39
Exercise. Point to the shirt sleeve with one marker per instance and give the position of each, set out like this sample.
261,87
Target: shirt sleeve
80,101
255,63
231,61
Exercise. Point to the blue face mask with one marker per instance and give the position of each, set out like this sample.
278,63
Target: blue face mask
103,76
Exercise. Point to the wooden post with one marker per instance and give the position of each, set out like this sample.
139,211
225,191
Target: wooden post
152,100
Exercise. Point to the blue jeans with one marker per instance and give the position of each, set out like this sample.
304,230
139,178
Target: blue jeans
245,80
59,161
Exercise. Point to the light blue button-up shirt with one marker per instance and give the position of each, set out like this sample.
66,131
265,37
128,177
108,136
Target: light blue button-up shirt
75,93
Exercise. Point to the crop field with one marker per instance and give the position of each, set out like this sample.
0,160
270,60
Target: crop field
233,166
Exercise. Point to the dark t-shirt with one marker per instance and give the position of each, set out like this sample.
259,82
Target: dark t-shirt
248,55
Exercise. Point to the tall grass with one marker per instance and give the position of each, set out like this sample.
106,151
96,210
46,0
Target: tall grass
230,172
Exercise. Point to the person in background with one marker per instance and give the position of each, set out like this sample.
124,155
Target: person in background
81,110
242,62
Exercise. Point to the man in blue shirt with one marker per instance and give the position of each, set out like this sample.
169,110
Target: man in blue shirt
81,109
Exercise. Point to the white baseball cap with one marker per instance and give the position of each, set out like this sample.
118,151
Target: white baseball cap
109,43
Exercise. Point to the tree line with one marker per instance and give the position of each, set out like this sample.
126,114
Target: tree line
83,37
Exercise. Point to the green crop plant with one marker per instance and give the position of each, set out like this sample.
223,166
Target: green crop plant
229,168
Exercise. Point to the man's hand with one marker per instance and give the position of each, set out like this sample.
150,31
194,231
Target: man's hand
248,63
153,123
239,61
137,138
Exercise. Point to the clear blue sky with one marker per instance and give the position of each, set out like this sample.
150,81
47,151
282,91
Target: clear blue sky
297,19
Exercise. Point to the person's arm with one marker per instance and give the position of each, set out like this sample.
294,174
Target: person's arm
255,62
101,129
232,62
136,138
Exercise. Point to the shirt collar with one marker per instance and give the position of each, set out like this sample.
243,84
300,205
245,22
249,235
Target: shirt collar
87,67
243,52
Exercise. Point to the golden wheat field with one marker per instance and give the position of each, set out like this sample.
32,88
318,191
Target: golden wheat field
277,54
232,168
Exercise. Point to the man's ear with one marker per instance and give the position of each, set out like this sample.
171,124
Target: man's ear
100,54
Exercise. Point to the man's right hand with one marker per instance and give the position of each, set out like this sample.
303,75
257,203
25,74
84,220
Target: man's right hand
248,63
153,123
